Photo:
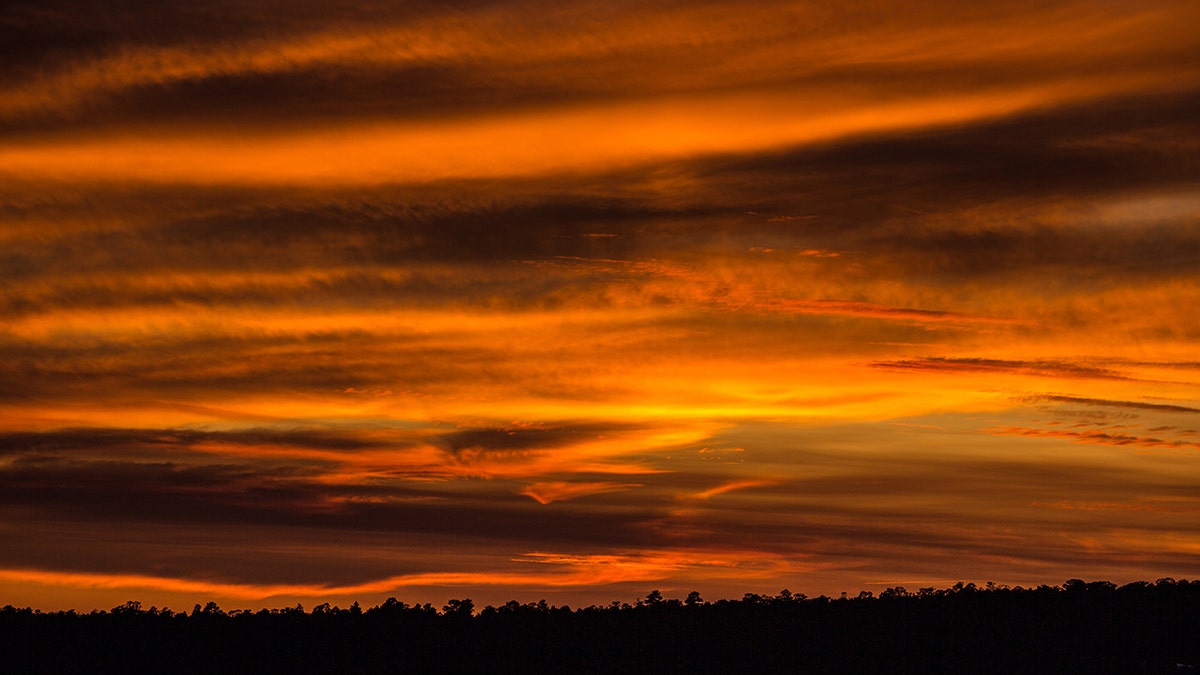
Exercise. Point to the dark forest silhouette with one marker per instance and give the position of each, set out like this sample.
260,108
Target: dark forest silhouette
1078,627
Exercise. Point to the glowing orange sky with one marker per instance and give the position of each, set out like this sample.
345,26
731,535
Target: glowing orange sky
311,302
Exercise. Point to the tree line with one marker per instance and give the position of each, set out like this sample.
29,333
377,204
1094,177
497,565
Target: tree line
1077,627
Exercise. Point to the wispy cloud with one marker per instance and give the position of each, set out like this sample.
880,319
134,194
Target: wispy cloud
555,491
732,485
1100,438
1135,405
1042,367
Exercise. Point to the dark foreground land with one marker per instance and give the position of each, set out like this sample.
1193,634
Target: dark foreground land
1074,628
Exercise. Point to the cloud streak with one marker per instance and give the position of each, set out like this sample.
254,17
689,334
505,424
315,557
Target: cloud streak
1134,405
1041,368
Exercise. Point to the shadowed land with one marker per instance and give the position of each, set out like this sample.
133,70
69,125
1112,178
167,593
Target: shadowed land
1079,627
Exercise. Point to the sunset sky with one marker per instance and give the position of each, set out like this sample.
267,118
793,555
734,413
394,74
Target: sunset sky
323,302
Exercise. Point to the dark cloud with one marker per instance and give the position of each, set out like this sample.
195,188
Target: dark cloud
524,439
971,202
238,65
230,363
423,92
51,32
904,509
1091,149
107,439
1040,367
278,494
506,287
1136,405
1176,364
486,60
379,230
995,199
232,551
172,492
1102,437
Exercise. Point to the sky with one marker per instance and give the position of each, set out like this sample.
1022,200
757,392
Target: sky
312,302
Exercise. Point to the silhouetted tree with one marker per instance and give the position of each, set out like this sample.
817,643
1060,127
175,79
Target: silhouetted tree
459,608
1077,627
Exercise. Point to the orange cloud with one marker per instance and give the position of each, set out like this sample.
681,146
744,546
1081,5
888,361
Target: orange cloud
732,485
513,146
554,491
1097,437
1117,506
552,570
759,43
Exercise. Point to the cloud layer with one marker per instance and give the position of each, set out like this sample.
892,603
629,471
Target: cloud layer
512,300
